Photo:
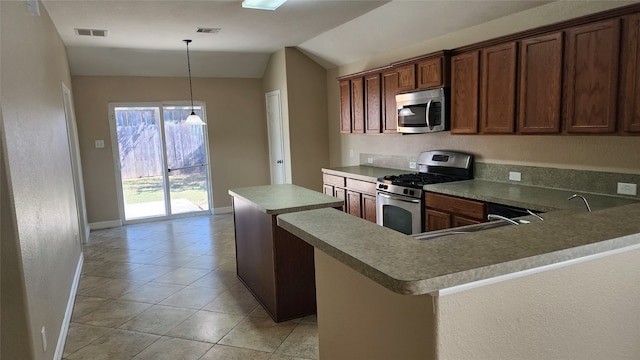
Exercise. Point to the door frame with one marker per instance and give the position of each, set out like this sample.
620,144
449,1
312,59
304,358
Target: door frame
76,164
117,165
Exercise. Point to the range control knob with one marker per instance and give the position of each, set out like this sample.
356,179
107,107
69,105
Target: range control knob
405,191
411,192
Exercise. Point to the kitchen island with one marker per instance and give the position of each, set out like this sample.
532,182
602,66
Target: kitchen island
565,288
276,266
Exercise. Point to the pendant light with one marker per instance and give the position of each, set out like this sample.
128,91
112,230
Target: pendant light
192,119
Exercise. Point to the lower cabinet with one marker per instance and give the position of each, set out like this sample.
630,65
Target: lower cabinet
359,196
444,211
275,265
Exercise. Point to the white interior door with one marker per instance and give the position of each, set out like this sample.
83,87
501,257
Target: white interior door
276,142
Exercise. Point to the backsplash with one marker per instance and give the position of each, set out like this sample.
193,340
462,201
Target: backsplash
569,179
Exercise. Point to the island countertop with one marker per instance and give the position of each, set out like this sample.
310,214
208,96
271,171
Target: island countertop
284,198
409,266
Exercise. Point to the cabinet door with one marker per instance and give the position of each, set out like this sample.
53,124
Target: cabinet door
464,93
498,89
406,77
369,207
373,103
357,105
630,77
436,220
591,77
389,107
462,221
539,107
342,195
430,73
353,203
345,106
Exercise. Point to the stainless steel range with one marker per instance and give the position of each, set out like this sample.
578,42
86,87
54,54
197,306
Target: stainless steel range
400,200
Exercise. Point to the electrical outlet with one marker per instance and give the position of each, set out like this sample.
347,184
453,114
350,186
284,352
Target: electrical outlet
627,189
412,164
99,144
44,339
370,160
515,176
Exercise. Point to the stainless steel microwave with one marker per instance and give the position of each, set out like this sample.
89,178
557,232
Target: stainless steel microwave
423,111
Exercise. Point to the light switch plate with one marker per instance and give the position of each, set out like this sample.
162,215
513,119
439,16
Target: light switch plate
370,160
515,176
99,144
412,164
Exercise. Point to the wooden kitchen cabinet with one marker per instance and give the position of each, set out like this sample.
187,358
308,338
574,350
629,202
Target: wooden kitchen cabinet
373,103
444,211
465,72
389,106
436,220
357,105
359,196
406,77
345,106
369,207
629,118
591,77
498,89
432,73
539,106
275,265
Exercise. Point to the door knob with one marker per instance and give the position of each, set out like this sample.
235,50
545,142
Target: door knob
280,162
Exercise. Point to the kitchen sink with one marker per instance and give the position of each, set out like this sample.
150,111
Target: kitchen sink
462,230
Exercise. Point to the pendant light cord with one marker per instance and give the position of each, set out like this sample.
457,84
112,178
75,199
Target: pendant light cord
190,85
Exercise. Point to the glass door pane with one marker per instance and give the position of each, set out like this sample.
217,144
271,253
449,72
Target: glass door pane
187,165
141,161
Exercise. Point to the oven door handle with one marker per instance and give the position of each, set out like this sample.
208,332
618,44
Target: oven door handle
416,201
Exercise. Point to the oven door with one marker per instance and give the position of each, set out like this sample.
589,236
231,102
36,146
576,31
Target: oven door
400,213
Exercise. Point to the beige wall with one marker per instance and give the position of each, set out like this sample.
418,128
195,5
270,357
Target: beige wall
237,132
302,85
585,311
307,119
40,247
609,153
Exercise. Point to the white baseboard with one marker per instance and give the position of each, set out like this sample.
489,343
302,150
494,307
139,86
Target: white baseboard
223,210
64,329
105,224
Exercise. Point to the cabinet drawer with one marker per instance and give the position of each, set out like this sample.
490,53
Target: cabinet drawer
333,180
361,186
455,205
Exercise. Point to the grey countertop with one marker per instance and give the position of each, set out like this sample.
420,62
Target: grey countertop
285,198
364,173
409,266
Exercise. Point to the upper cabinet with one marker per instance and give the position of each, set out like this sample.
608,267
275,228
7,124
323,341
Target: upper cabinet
432,73
581,76
389,108
465,72
498,89
372,103
539,105
345,106
629,118
591,77
406,77
357,105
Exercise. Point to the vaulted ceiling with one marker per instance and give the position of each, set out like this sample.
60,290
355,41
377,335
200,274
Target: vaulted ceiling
144,37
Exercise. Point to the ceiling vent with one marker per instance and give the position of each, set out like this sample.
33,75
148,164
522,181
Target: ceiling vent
208,30
91,32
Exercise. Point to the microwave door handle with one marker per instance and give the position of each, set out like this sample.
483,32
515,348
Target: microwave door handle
428,114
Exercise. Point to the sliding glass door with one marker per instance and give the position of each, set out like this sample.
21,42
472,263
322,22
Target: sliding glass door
163,167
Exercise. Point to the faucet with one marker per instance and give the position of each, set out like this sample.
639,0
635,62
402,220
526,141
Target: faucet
586,203
494,216
535,215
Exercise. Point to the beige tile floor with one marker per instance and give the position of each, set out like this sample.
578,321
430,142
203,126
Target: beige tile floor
168,290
